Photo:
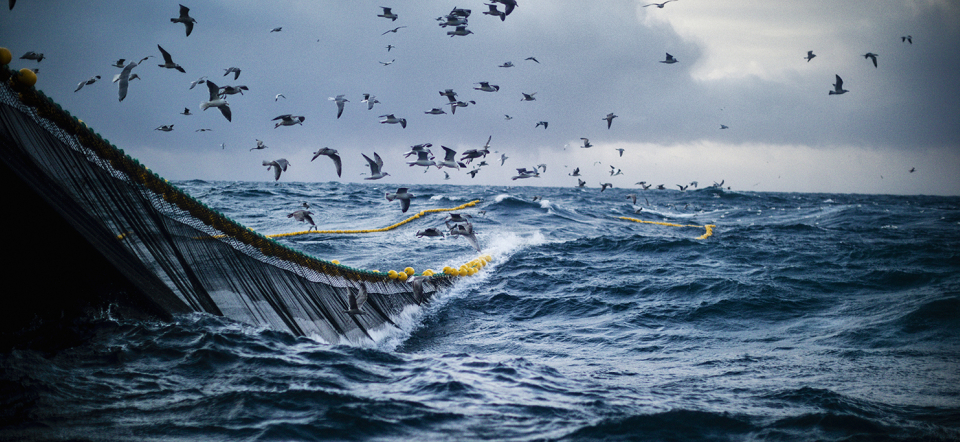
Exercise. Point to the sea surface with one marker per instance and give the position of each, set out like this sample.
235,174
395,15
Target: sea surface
803,317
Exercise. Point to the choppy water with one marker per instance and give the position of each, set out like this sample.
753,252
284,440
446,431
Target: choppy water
804,317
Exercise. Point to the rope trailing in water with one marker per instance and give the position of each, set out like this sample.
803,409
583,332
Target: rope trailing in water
708,227
384,229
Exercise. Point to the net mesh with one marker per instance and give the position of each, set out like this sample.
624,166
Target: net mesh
183,255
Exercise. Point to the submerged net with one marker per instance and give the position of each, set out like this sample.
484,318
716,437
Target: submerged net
182,255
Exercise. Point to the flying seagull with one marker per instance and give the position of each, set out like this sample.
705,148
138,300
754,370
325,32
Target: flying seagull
388,14
466,230
394,30
586,143
542,123
185,18
277,29
494,11
508,64
235,70
355,302
487,87
532,58
449,159
278,97
461,30
508,5
333,154
90,80
340,100
609,119
659,5
233,90
403,195
603,186
620,149
32,56
669,59
809,56
278,166
186,111
303,215
576,172
838,87
260,146
871,56
217,101
168,61
423,159
388,63
370,100
376,167
528,97
288,120
724,126
165,128
390,119
907,38
200,80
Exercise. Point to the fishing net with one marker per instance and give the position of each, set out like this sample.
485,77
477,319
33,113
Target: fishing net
180,255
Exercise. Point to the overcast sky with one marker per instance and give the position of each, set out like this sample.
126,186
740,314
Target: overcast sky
741,64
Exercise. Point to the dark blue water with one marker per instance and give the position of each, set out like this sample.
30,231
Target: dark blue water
804,317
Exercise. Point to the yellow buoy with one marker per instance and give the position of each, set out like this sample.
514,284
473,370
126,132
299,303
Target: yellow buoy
392,274
462,272
5,56
408,271
26,77
402,276
337,262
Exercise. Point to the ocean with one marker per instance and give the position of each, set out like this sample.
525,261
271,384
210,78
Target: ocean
801,317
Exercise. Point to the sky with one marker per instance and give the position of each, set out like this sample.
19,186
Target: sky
740,64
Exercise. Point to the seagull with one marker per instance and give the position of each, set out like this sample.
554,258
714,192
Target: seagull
390,119
508,64
718,185
449,159
446,175
614,171
507,117
165,128
461,30
202,130
508,5
609,119
455,104
542,166
503,158
32,56
435,111
456,218
355,302
235,70
581,183
260,146
694,184
586,143
460,12
632,197
450,94
394,30
809,56
404,196
303,215
430,232
340,100
388,14
524,173
487,87
477,153
423,159
452,20
278,166
542,123
528,97
620,149
200,80
387,63
417,149
907,38
473,173
494,11
375,167
389,47
119,63
838,87
278,97
532,58
659,5
871,56
131,77
370,100
288,120
332,153
168,61
216,101
603,186
576,172
185,18
466,230
277,29
91,80
233,90
186,111
669,60
724,126
660,187
683,188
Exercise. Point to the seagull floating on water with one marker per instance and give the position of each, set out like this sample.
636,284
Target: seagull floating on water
288,120
278,166
168,61
332,153
216,101
185,18
838,87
